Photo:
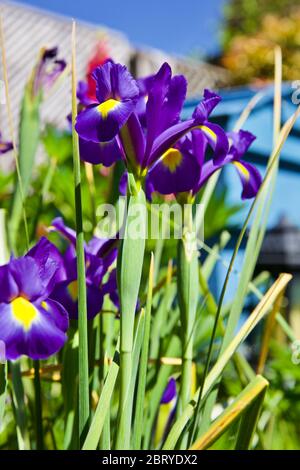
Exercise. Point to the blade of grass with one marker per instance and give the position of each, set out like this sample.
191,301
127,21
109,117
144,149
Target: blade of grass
245,400
129,272
82,304
259,312
267,335
250,418
140,396
39,431
94,433
156,393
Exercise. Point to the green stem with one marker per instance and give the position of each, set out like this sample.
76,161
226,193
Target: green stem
141,390
82,305
38,407
129,270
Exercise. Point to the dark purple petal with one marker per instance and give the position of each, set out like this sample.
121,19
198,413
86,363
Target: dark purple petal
217,139
66,294
240,142
168,139
25,272
209,168
156,97
174,101
123,184
206,106
176,171
38,337
59,225
9,288
57,312
114,81
5,146
170,392
101,123
50,264
103,152
82,94
250,178
165,100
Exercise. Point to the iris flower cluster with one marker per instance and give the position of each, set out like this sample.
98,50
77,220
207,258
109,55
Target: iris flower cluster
39,293
100,254
139,122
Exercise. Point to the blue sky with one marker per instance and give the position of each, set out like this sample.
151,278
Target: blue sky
180,26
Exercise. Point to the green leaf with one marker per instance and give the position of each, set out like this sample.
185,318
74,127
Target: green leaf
140,396
94,433
248,405
57,143
29,134
84,408
260,311
129,272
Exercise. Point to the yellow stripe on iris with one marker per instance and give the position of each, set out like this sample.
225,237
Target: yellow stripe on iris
242,170
209,132
24,312
107,106
171,159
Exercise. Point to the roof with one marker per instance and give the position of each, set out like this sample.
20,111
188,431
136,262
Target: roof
27,29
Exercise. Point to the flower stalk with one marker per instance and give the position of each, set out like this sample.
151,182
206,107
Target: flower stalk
129,277
82,301
187,281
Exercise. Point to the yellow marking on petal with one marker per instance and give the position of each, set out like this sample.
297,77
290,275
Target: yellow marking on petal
172,158
44,305
73,290
24,312
107,106
242,169
208,131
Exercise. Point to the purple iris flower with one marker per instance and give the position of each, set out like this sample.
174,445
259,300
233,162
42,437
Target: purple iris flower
5,146
47,71
139,122
32,322
99,256
249,175
194,147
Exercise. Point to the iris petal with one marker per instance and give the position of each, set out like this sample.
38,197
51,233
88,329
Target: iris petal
250,178
103,124
41,339
103,152
176,171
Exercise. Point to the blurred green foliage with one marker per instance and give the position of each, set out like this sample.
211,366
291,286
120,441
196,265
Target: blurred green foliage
251,31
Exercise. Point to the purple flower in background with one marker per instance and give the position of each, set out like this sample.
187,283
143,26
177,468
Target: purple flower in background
31,321
5,146
169,392
99,256
139,122
46,72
